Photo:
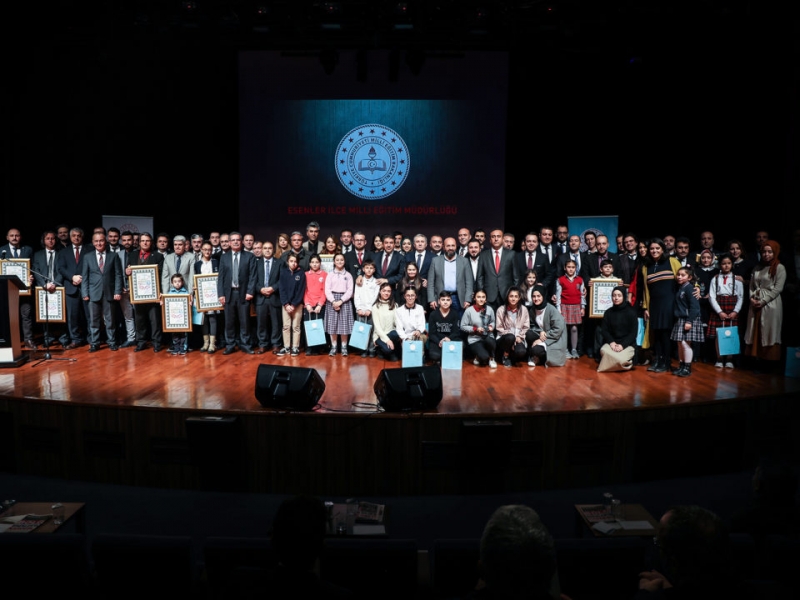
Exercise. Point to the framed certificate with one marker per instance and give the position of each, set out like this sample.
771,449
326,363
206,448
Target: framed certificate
143,283
51,307
600,295
21,267
176,313
205,292
327,262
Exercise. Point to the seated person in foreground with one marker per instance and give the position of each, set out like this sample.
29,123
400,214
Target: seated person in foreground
517,557
618,334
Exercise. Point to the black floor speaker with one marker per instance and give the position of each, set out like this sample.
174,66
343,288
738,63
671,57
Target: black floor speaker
410,388
290,388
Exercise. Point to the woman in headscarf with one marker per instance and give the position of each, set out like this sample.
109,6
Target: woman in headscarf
763,336
618,332
547,336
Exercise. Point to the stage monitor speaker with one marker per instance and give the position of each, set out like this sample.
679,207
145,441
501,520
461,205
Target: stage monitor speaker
291,388
410,388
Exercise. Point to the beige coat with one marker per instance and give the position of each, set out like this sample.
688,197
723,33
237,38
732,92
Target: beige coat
768,290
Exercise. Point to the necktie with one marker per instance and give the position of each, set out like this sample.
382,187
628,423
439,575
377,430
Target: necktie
385,263
530,261
576,258
497,261
77,254
178,264
235,269
360,256
50,264
266,272
16,252
419,261
101,262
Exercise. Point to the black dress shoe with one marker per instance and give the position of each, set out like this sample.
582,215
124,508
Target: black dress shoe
94,348
247,350
156,348
229,350
30,344
139,347
113,347
128,344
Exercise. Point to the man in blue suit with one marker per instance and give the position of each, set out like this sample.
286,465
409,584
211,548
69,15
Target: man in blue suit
389,265
101,286
236,286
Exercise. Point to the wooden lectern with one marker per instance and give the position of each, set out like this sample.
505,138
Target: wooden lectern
11,354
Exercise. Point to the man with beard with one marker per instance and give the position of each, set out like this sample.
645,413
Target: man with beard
450,273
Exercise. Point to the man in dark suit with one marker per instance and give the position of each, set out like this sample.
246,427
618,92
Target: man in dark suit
533,260
603,253
420,256
458,281
389,265
269,317
68,274
15,249
353,260
236,287
101,285
148,314
496,272
43,268
546,245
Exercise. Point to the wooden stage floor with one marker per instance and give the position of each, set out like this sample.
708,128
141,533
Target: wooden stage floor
128,418
203,382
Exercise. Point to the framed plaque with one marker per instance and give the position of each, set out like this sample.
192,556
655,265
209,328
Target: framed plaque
205,291
144,284
600,290
327,262
176,312
21,267
51,307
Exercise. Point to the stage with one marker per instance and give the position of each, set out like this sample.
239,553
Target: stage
121,417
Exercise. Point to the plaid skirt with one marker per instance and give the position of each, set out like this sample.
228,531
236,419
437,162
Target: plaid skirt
695,334
571,313
339,322
726,304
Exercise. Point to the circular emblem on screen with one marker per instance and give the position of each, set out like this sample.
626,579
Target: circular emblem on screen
372,161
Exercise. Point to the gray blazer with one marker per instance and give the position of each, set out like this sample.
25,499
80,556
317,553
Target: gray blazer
187,270
99,285
465,283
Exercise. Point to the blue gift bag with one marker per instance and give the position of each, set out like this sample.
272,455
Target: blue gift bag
727,341
412,353
361,335
452,355
315,332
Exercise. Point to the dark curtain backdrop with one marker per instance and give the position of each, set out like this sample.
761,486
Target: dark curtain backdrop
699,134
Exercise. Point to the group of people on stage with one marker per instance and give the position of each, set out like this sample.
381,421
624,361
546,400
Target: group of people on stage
508,302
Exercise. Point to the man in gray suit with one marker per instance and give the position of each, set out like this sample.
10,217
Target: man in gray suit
178,262
450,272
497,272
101,284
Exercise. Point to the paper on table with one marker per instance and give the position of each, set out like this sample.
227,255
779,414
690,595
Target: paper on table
636,525
18,518
607,526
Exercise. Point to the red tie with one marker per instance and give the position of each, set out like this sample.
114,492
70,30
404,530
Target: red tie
359,256
77,254
385,263
530,261
497,261
101,263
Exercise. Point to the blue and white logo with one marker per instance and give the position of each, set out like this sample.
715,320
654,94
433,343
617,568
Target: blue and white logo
372,161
